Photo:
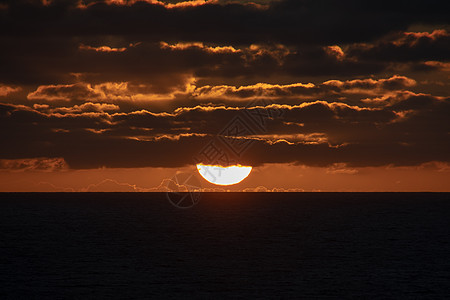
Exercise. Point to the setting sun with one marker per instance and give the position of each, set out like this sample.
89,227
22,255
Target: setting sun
224,175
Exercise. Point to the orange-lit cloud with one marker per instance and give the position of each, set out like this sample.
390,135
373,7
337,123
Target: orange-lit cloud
445,66
249,54
335,51
6,90
64,92
86,107
412,38
102,48
106,92
181,4
106,48
116,92
405,46
396,82
250,91
329,133
201,46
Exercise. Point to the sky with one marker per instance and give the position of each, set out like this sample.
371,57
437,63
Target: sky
116,95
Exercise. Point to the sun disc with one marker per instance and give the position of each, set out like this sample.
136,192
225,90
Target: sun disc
224,175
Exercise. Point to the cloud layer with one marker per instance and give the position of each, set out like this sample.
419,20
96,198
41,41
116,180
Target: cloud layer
332,84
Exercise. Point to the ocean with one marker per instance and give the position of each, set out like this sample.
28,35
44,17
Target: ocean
229,245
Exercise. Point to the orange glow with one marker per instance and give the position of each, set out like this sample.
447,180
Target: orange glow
224,175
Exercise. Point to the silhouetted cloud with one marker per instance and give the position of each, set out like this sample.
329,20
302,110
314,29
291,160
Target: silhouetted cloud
406,131
34,164
338,84
406,46
163,45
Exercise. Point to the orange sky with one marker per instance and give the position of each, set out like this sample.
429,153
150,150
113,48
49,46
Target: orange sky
312,101
430,177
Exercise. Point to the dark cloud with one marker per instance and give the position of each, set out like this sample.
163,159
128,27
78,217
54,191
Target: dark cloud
405,47
125,94
146,83
407,132
51,44
287,22
34,164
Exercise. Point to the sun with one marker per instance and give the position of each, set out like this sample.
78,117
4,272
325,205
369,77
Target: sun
224,175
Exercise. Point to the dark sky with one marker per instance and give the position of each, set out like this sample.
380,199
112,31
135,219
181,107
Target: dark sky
132,84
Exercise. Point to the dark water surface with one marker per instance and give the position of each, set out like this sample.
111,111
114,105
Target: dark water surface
233,245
